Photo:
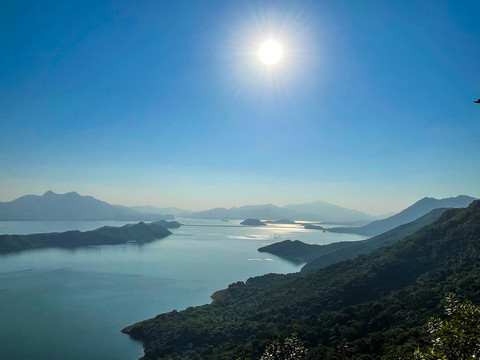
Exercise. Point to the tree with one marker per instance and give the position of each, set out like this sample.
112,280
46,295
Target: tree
456,338
291,349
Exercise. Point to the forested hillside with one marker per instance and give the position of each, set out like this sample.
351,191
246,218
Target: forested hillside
376,302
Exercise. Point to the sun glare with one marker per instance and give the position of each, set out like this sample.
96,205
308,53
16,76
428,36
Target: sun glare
270,52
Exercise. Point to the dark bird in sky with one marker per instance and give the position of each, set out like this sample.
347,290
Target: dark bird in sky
477,102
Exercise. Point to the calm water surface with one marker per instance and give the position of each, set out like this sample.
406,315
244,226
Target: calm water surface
72,304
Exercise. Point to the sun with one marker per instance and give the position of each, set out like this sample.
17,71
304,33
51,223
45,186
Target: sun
270,52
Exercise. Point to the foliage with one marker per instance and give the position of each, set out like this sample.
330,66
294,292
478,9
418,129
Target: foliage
291,349
457,338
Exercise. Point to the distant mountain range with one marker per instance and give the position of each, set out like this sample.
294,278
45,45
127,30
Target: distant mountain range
72,206
69,207
329,212
321,211
314,211
411,213
162,211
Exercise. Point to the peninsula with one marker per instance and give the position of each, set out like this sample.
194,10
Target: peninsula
320,256
282,222
107,235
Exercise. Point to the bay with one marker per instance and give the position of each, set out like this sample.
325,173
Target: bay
72,304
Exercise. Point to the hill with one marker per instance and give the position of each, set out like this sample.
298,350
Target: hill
319,256
68,207
377,302
252,222
299,252
365,246
168,224
107,235
411,213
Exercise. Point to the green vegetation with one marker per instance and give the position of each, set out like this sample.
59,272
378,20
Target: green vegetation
291,349
457,338
299,252
377,302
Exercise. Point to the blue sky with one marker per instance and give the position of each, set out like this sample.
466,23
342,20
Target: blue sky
166,102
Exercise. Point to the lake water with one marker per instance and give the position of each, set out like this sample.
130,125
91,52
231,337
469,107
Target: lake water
72,304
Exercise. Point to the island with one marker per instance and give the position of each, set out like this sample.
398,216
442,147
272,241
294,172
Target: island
299,252
313,227
107,235
282,222
252,222
168,224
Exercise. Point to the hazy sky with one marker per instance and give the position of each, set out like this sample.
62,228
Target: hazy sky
166,102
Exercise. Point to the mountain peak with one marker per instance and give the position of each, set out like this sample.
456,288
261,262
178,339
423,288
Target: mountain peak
51,193
69,206
449,198
72,193
418,209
